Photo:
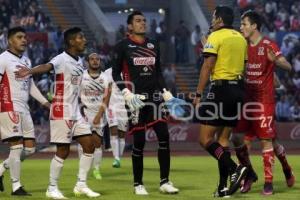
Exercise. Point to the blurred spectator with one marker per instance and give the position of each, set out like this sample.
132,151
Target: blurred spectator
296,80
161,37
153,26
296,63
182,35
197,45
121,33
295,112
283,109
170,77
58,39
3,39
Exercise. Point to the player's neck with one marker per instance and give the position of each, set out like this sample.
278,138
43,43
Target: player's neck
74,54
255,38
15,52
94,73
137,38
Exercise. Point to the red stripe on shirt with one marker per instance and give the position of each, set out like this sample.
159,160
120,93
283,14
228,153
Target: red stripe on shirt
6,103
57,106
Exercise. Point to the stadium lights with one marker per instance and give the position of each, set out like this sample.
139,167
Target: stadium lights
161,11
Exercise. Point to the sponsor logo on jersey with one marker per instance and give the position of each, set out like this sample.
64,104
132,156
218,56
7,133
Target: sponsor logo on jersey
150,46
75,80
144,61
253,66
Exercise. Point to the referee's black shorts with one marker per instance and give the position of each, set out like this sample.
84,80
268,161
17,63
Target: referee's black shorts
223,104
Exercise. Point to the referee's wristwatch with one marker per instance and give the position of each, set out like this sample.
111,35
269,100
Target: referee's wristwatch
199,95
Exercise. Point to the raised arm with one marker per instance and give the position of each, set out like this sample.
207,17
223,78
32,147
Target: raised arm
40,69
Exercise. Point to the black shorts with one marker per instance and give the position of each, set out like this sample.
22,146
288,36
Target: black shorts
152,113
223,104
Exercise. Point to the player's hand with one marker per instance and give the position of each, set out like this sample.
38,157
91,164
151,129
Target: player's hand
196,101
22,71
47,105
271,54
173,104
97,120
133,101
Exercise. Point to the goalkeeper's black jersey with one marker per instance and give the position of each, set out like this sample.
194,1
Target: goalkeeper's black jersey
138,64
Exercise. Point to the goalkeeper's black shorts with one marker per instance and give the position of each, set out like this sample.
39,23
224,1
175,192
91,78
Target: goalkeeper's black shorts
152,113
223,104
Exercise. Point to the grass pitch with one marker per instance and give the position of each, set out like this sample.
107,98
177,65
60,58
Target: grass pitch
195,176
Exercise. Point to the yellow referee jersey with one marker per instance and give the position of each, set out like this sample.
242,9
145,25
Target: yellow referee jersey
230,47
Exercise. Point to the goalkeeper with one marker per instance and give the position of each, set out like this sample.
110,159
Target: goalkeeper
137,72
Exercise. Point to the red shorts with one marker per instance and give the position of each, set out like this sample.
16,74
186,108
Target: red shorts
257,121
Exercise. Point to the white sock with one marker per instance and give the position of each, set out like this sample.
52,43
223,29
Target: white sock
4,166
15,165
56,166
80,150
115,146
121,146
97,158
85,163
27,151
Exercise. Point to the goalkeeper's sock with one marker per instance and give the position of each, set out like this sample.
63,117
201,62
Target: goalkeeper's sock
164,161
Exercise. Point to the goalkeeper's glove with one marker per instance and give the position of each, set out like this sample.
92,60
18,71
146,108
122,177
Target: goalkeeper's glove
173,104
133,101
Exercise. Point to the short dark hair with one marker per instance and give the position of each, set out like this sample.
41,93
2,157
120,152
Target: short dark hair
225,13
131,15
12,31
69,34
253,17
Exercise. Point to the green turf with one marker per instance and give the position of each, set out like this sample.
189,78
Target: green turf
195,176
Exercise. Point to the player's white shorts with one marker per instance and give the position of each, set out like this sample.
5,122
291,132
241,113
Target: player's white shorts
63,131
117,116
16,124
99,128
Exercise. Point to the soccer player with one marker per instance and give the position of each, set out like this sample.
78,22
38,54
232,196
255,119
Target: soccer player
66,122
16,126
94,96
117,119
225,54
263,55
137,58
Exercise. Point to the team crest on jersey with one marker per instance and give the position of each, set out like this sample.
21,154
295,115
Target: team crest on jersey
101,81
14,117
261,51
150,45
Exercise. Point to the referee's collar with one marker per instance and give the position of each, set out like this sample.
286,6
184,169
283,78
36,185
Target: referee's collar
228,27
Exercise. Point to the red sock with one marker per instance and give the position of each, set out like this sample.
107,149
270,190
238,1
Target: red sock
268,159
281,155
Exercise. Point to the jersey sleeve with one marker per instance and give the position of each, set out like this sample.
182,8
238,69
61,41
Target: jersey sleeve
274,47
212,45
117,65
56,63
2,68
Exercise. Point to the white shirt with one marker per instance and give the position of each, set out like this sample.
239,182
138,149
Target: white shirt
14,93
92,91
68,75
116,95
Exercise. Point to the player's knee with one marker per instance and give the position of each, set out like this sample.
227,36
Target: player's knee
88,148
237,140
137,151
27,151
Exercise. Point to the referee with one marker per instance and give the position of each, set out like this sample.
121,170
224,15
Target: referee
225,54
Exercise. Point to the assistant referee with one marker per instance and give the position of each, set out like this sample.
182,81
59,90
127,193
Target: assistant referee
225,54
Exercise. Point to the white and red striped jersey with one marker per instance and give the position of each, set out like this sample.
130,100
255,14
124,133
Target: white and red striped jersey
116,95
14,93
68,76
92,91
